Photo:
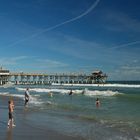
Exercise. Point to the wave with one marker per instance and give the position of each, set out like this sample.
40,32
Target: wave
11,95
33,98
102,93
35,101
86,92
45,90
101,85
122,85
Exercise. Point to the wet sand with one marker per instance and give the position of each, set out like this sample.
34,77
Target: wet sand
25,130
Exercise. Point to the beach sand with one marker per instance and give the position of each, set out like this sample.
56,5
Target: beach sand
25,130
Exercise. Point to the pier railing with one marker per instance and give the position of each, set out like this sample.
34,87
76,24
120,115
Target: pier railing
43,78
38,78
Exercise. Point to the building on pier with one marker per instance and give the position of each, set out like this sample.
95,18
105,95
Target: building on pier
4,76
97,77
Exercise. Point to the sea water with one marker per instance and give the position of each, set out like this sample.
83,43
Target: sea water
117,118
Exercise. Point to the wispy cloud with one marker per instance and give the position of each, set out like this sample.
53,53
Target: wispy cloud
135,69
47,63
118,21
126,72
130,72
91,8
11,60
125,45
78,48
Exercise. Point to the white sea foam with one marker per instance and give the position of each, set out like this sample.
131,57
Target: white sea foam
62,91
121,85
85,91
101,93
11,95
101,85
4,93
33,98
20,89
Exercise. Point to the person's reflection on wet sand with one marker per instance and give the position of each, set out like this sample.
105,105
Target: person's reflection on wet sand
9,135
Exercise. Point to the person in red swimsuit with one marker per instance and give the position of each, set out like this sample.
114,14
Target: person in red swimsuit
97,103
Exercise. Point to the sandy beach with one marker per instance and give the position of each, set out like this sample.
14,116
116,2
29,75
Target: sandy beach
64,117
24,129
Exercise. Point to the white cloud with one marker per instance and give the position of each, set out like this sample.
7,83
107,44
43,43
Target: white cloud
120,21
132,69
126,45
78,48
11,60
126,73
47,63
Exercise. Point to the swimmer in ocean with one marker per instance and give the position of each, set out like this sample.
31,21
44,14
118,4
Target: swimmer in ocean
71,92
97,103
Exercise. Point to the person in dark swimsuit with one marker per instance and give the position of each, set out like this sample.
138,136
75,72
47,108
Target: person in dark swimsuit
11,110
71,92
27,95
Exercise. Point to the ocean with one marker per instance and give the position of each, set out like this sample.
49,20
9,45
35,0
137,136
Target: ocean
117,118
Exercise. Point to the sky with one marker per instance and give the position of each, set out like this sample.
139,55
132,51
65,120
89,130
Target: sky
76,36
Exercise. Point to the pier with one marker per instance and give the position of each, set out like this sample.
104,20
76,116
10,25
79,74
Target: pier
38,78
22,78
33,78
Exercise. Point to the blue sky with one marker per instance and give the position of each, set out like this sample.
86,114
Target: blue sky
56,36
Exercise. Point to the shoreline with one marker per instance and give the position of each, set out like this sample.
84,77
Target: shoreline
25,129
68,119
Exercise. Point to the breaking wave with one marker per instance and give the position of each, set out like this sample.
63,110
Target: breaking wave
33,98
102,85
86,92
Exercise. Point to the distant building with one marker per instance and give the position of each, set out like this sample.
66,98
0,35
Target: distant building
97,77
4,76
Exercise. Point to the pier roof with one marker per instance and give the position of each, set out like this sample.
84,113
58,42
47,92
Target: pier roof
27,74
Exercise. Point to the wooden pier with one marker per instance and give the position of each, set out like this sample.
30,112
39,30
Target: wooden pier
34,78
38,78
41,78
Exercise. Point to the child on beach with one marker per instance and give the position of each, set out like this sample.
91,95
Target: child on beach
11,110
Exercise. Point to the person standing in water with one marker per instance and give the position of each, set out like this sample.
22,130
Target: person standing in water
97,103
11,110
50,94
27,96
71,92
